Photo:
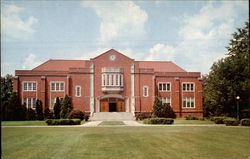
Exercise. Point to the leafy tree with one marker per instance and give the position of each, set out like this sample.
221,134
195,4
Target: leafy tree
39,110
66,107
162,110
229,78
6,92
31,114
57,108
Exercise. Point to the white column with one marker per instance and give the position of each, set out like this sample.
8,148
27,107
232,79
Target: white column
91,89
132,105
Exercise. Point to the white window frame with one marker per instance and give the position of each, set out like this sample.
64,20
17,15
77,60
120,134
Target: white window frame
32,102
59,86
112,79
165,99
190,100
32,86
147,89
80,91
166,86
185,83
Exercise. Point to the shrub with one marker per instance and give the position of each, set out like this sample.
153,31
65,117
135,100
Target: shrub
143,115
218,120
231,122
63,121
66,107
39,110
158,121
86,117
162,110
189,117
48,114
245,122
76,114
57,108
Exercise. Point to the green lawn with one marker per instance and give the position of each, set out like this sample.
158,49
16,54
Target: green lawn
112,123
24,123
126,142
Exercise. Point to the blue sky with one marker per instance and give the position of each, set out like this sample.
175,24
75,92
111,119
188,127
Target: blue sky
193,34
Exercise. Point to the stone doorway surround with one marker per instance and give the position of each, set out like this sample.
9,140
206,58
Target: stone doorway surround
117,96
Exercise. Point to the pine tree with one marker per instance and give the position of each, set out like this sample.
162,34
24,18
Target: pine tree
47,113
162,110
57,108
39,110
66,107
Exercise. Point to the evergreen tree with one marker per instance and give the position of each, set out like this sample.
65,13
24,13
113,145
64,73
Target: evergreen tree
162,110
31,114
47,113
57,108
66,107
228,78
6,92
39,110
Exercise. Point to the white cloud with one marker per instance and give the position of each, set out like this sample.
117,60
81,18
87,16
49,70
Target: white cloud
123,19
13,25
30,62
160,52
205,35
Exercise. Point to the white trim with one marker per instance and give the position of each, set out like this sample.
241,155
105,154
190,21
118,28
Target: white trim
147,91
190,86
59,82
170,85
32,87
80,91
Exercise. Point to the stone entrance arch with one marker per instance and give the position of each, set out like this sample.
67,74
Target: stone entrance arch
112,103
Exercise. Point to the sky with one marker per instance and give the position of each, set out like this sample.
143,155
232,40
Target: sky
192,34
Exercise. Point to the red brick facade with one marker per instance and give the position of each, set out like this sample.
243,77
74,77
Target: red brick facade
112,82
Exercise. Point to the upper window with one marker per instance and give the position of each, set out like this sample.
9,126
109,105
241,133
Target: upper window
188,87
145,91
164,87
78,91
112,79
57,86
29,86
30,102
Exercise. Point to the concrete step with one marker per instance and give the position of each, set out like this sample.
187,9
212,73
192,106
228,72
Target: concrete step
112,116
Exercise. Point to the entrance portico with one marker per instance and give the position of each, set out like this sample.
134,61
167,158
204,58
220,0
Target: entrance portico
112,103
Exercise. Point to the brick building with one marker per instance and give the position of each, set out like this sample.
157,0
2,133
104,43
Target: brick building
111,82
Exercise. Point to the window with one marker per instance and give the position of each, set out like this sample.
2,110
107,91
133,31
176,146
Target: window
145,91
57,86
166,100
188,102
78,91
114,79
30,102
164,87
53,101
188,87
29,86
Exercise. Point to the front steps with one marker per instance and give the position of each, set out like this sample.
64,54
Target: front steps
112,116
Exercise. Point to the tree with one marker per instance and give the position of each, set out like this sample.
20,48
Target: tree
14,110
162,110
6,92
57,108
228,78
66,107
47,113
39,110
31,114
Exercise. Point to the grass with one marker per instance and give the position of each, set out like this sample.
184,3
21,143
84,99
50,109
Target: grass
125,142
112,123
26,123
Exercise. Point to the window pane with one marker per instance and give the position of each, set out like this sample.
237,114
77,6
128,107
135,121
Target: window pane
29,102
192,87
107,80
25,86
164,86
57,86
116,80
34,86
61,86
29,86
34,103
52,86
184,102
160,87
184,87
104,80
112,80
188,87
168,87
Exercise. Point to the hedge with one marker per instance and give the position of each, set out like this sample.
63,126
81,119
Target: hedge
158,121
218,120
63,121
245,122
231,122
76,114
